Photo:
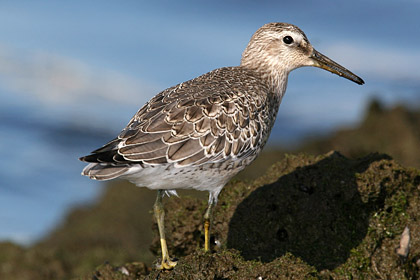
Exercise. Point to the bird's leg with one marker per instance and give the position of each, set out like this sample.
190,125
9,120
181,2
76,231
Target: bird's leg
207,217
160,215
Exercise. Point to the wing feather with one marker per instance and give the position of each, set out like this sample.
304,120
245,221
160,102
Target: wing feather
191,124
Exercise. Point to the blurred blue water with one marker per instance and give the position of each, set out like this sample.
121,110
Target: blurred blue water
39,170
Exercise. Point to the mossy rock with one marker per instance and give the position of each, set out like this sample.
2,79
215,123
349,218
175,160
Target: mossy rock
325,217
308,217
226,264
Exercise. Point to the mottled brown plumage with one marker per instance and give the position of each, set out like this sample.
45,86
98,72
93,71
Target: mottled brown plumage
202,132
222,115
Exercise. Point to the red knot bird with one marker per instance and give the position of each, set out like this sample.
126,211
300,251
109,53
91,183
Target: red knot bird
202,132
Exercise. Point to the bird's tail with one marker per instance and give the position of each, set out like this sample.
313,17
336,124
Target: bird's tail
102,172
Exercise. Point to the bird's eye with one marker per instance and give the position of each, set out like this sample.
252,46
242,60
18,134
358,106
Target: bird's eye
287,40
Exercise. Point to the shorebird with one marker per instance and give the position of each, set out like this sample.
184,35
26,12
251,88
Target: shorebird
202,132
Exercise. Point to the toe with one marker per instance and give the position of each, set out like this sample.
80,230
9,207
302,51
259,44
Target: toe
166,264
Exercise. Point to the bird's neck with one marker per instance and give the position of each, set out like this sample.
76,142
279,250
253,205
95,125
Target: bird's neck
273,76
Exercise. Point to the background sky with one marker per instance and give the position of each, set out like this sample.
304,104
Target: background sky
73,73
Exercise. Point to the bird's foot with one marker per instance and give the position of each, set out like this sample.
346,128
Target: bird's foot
166,264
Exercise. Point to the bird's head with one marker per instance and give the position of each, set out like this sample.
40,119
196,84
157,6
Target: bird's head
278,48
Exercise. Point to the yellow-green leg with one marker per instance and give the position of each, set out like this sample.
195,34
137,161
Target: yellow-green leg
207,220
160,215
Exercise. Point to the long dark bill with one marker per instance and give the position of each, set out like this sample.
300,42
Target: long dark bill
324,62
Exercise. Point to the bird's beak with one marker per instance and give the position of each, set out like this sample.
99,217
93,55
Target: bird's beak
324,62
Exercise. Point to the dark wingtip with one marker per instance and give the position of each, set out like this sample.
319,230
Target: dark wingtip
89,158
82,159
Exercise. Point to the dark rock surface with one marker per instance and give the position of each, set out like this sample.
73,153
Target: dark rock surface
308,217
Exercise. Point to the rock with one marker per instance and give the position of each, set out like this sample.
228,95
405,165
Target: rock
347,224
308,217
